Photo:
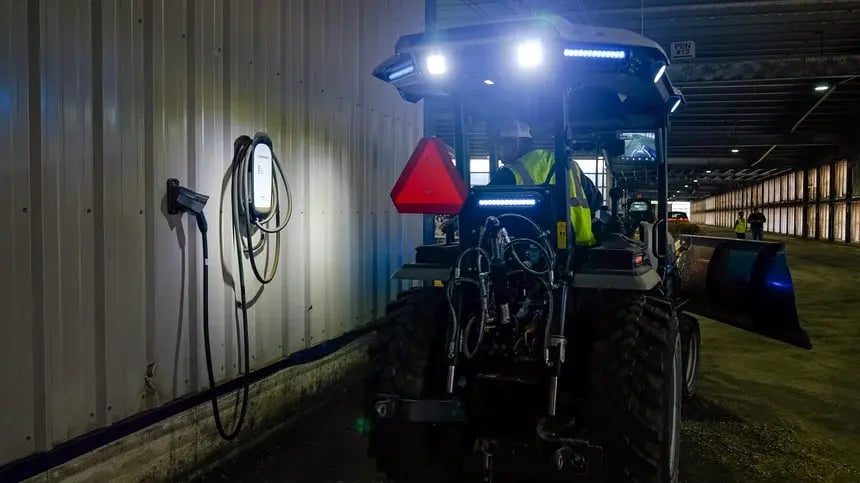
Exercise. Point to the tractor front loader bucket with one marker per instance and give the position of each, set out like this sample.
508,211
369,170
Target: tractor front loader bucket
742,283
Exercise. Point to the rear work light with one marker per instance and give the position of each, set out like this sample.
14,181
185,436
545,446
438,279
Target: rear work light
513,202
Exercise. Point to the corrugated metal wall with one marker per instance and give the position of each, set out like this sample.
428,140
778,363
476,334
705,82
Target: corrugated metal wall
100,102
811,203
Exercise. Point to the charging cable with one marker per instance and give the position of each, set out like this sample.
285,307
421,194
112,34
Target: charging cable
251,217
245,215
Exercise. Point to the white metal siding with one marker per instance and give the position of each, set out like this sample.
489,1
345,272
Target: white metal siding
98,283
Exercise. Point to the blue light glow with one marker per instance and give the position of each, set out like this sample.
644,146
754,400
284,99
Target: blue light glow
784,284
507,202
402,72
596,53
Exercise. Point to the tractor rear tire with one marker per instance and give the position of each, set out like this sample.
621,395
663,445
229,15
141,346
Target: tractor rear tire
636,389
407,360
691,342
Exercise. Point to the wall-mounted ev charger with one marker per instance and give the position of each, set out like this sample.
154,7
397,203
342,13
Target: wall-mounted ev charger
261,175
256,204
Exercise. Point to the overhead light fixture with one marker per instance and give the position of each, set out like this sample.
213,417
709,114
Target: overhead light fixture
686,186
595,53
696,181
675,106
660,71
822,87
530,54
437,64
489,82
708,171
735,150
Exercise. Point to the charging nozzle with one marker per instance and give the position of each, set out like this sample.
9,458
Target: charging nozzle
181,199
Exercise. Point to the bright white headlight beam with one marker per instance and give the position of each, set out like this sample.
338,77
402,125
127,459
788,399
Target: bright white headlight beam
530,54
437,64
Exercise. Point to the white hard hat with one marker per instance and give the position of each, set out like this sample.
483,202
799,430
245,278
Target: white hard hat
516,129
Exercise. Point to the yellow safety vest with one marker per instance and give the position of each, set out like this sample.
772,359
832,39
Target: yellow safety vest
741,225
534,168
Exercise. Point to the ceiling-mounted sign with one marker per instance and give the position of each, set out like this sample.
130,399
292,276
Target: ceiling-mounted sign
684,50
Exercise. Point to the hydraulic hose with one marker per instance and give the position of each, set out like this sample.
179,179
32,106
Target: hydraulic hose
542,235
521,241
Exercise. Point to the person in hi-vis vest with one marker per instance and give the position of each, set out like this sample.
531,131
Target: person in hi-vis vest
526,165
741,226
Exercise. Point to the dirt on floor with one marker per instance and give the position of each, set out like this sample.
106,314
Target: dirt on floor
764,411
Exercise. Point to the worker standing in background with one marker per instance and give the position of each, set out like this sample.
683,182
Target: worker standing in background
757,221
525,165
741,226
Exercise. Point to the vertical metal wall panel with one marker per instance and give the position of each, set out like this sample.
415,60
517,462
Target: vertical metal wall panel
123,208
16,296
293,154
839,222
175,241
824,220
211,163
67,220
136,92
855,224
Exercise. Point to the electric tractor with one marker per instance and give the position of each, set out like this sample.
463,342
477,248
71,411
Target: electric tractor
518,353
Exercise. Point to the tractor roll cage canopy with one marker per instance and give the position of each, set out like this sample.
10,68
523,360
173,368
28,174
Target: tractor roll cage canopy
581,81
616,77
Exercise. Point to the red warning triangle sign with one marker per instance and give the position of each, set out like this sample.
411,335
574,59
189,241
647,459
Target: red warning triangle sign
429,183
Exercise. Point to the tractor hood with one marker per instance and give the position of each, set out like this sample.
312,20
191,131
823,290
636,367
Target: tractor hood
541,57
742,283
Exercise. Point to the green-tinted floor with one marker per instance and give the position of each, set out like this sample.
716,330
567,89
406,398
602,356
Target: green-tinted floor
769,412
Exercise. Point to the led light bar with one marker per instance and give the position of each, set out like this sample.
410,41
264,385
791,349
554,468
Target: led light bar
596,53
675,106
659,75
507,202
402,72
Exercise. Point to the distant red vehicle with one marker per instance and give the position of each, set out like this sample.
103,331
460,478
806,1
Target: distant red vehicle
678,217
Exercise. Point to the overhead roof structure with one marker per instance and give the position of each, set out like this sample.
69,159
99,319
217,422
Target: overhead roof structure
774,85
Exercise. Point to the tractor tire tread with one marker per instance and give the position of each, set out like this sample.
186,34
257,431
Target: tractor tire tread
629,378
400,365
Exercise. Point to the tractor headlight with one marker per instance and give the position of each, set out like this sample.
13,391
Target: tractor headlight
436,64
530,54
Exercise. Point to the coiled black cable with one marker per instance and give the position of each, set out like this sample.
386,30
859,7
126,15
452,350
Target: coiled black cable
241,210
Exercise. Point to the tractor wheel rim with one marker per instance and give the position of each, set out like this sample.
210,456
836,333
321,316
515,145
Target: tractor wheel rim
675,421
692,358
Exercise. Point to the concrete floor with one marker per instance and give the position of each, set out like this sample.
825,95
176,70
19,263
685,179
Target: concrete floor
750,422
322,447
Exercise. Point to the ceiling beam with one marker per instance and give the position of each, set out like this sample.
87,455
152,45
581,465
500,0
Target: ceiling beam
716,6
753,140
762,69
723,162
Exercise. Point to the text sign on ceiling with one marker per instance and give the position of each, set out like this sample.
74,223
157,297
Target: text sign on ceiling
684,50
